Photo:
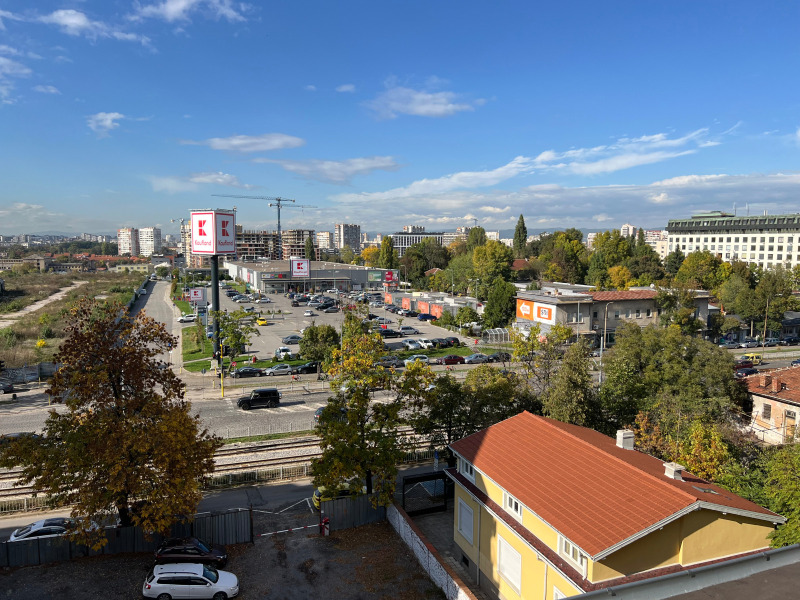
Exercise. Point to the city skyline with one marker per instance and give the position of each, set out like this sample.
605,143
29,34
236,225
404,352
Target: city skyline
131,114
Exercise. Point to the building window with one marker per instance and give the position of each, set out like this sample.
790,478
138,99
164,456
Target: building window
512,506
466,521
627,313
573,554
594,315
558,594
509,564
616,314
638,313
766,412
466,469
649,313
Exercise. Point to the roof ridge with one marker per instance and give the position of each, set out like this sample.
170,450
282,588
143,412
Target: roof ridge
551,423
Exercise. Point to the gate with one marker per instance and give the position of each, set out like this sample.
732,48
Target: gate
425,493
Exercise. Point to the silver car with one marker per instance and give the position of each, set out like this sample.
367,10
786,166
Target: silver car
283,369
190,580
475,359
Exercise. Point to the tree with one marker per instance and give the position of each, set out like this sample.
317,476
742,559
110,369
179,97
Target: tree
673,262
126,442
371,256
162,272
571,397
620,277
310,252
520,238
678,307
540,354
703,451
491,261
388,256
423,256
700,269
347,255
783,490
565,256
476,237
500,304
235,330
318,342
358,438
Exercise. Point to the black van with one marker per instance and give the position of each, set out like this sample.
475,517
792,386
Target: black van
263,397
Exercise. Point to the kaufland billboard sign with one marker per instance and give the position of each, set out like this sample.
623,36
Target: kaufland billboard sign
213,232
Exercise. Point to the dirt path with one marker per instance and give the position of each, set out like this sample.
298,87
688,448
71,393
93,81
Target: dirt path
9,320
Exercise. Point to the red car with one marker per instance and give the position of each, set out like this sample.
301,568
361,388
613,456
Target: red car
450,359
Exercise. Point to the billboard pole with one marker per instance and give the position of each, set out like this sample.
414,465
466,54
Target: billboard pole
215,301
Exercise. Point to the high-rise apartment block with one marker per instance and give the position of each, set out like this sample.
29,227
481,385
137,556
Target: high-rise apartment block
347,235
324,240
128,241
149,241
294,242
413,234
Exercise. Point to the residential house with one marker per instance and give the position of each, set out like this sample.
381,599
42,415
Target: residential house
776,402
547,510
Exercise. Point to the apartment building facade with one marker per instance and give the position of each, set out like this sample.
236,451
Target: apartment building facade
128,241
149,241
345,234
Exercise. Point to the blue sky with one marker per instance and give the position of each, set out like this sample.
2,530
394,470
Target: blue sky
575,114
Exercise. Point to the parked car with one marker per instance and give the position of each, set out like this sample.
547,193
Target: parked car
309,367
295,303
411,344
728,345
476,359
331,291
499,357
190,549
186,319
790,340
770,342
745,372
382,321
748,343
454,341
248,372
390,361
190,580
250,309
440,343
742,364
795,362
414,358
292,338
425,317
308,313
6,387
425,343
322,493
390,333
282,369
331,309
283,353
450,359
262,397
408,330
261,321
262,300
44,527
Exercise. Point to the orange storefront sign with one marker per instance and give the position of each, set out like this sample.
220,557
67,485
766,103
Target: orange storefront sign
406,303
387,298
422,307
536,311
524,309
436,310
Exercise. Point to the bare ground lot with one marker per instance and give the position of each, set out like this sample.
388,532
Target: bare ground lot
367,563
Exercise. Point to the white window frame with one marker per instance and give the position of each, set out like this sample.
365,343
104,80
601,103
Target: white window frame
509,564
558,594
466,469
462,529
512,506
572,554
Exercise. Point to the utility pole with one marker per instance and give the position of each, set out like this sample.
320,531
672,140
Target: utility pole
274,201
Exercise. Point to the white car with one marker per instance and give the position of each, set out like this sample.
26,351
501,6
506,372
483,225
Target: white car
189,580
425,343
262,300
308,313
55,526
186,319
382,321
408,330
411,344
283,352
416,357
331,291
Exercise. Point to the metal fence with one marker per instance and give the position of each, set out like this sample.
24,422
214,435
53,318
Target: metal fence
228,527
270,428
352,511
29,373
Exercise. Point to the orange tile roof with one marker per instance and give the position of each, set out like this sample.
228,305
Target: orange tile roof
583,485
623,295
781,384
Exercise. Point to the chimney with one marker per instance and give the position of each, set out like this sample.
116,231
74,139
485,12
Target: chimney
673,471
777,384
625,439
765,380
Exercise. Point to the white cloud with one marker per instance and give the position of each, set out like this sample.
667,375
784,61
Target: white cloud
659,198
250,143
4,14
75,23
601,218
9,51
346,87
797,134
10,69
310,88
103,122
192,183
398,100
335,171
46,89
495,209
179,10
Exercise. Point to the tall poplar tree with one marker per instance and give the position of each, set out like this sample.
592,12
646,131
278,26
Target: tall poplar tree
520,238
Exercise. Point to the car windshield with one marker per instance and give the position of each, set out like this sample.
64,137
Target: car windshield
210,573
24,531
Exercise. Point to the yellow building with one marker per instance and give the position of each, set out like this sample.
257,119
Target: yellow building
550,510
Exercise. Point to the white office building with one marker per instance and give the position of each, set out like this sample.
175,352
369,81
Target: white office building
149,241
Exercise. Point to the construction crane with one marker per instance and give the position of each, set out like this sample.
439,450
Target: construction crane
273,201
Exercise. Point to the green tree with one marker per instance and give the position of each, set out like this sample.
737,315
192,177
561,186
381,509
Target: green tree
388,257
783,491
476,237
673,262
491,261
162,272
677,305
310,252
318,342
125,442
347,255
540,354
565,256
235,330
500,304
571,397
700,269
520,238
423,256
358,438
703,451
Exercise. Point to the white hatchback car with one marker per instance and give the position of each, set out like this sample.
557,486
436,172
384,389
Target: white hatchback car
190,580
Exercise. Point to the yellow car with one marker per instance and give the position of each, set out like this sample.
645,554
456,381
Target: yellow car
322,493
261,321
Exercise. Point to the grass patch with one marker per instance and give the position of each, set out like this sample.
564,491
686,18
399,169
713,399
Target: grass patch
270,436
242,361
183,306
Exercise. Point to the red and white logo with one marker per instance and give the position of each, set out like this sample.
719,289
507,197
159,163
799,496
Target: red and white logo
200,231
226,228
300,267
